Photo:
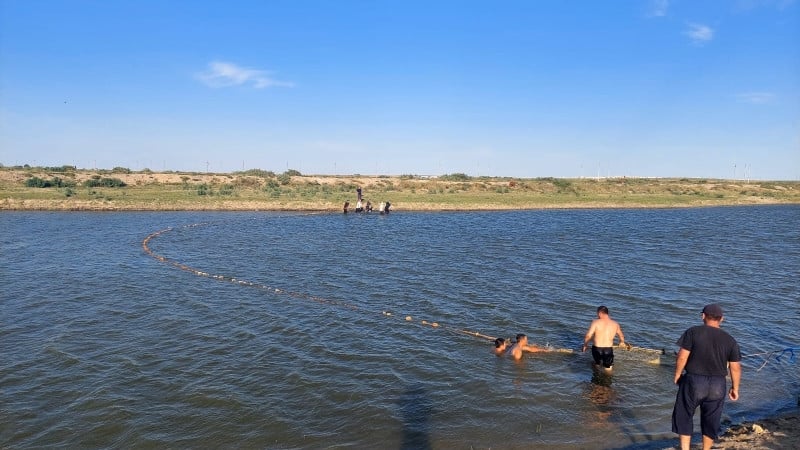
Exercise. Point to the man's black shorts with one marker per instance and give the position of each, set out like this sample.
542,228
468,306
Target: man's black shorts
603,356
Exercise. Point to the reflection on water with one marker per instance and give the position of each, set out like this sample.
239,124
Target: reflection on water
601,378
104,346
415,408
603,396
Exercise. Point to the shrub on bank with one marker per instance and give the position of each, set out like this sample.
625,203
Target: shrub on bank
259,173
96,181
455,177
37,182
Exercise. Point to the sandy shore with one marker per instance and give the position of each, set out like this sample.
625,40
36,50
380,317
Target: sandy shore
780,432
773,433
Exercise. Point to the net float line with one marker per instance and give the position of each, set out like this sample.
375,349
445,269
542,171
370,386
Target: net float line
293,294
655,353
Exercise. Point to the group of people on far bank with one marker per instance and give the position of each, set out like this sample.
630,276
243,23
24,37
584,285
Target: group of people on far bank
362,207
707,354
366,207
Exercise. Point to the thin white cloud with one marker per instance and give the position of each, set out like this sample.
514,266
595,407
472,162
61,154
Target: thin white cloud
658,8
224,74
757,98
699,34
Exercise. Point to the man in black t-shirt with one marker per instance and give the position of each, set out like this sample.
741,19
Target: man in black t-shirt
706,353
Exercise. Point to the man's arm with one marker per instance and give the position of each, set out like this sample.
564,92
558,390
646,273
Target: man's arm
736,376
589,335
680,364
534,349
621,336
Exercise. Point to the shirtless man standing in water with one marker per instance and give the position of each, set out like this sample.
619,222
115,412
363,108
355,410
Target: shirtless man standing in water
601,333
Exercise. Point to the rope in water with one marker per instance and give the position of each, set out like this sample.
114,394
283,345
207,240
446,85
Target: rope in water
780,353
293,294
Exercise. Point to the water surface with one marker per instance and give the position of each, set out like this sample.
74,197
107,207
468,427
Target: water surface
105,346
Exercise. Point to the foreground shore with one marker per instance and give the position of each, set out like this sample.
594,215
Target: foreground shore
779,432
772,433
69,189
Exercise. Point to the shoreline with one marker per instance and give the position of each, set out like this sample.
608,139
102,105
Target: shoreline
10,204
8,208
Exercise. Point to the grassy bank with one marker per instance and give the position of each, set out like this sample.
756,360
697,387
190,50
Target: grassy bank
67,188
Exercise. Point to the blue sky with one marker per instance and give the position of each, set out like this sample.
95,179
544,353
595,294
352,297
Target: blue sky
670,88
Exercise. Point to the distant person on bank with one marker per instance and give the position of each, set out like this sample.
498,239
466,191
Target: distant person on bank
706,353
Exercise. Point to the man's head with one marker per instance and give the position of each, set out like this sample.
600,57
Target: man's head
602,310
521,338
499,343
713,312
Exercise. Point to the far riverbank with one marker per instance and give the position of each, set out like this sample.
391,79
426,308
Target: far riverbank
69,189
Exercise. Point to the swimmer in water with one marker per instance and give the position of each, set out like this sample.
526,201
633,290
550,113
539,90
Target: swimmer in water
500,346
522,346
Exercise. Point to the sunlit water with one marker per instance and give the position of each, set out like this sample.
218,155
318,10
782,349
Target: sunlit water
102,345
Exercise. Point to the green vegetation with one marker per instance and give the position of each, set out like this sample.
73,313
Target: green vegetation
455,177
97,181
68,188
258,173
36,182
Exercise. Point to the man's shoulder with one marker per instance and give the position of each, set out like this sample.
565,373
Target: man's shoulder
725,335
710,332
688,336
608,322
696,329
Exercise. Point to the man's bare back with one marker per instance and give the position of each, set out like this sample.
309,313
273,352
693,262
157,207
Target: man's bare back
603,331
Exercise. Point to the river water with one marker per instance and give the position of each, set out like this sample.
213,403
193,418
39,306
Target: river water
278,330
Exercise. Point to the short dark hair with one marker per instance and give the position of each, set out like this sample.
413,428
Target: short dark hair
499,342
520,336
602,309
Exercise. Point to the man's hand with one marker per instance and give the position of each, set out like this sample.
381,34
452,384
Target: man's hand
680,363
733,394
